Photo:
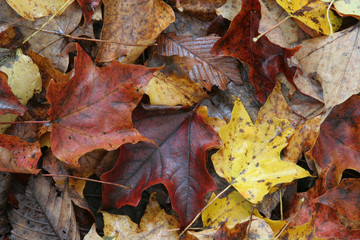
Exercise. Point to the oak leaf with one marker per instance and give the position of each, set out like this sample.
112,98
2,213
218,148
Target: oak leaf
337,146
250,156
265,58
171,86
212,70
177,161
93,109
335,70
133,22
9,102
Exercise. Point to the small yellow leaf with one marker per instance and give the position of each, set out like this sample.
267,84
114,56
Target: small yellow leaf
232,209
171,86
37,9
118,226
347,7
24,80
250,156
312,13
214,122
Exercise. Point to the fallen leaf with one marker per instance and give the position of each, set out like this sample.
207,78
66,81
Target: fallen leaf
9,102
171,86
153,225
18,156
232,209
337,145
230,9
78,107
37,9
44,213
265,58
214,122
343,198
133,22
250,156
335,70
347,8
212,70
177,161
10,36
88,8
313,14
5,181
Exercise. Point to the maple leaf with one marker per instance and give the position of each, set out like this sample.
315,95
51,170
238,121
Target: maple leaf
344,198
313,14
9,102
18,156
265,58
250,156
212,70
337,145
171,85
134,22
335,70
93,109
177,161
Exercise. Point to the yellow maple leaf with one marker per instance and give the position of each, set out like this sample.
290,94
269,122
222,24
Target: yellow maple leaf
250,156
313,14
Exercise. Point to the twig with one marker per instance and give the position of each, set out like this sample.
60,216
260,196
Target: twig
26,122
281,206
250,220
255,39
207,205
56,13
87,179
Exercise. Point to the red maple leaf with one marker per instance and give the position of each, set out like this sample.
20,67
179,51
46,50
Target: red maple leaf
93,109
265,58
177,161
88,8
8,101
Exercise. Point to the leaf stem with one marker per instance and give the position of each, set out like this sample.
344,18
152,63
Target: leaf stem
87,179
292,218
25,122
56,13
328,17
255,39
207,205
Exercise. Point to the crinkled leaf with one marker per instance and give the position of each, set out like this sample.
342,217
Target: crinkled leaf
212,70
93,109
88,8
177,161
266,59
250,156
44,213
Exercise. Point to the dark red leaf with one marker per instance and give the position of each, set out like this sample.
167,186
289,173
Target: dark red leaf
177,161
8,101
88,8
344,198
93,109
337,146
265,58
